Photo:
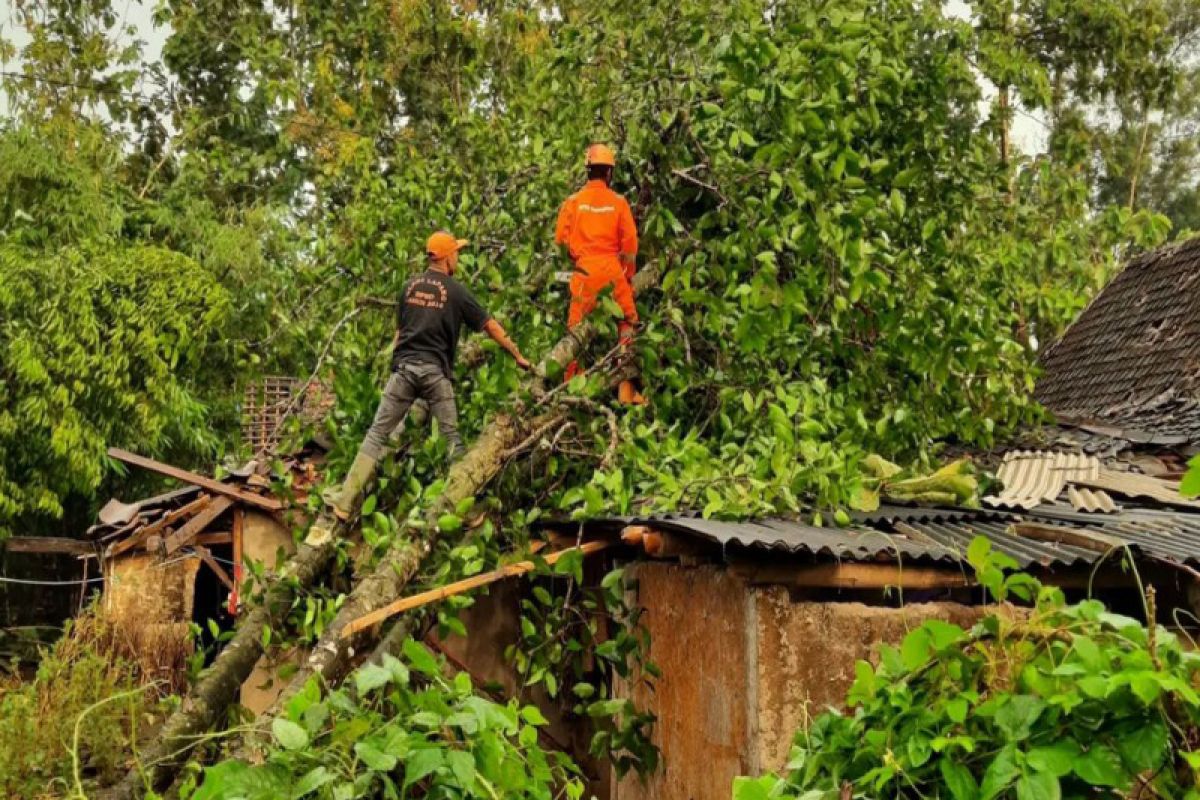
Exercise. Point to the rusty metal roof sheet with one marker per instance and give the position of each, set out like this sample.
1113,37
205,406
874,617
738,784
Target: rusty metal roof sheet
1032,477
1132,359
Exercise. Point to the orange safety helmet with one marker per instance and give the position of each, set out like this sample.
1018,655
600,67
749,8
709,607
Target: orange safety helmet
599,155
441,245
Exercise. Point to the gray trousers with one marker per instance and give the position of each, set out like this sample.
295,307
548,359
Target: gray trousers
411,382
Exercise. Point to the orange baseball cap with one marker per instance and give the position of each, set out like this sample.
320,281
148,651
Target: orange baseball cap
601,155
442,244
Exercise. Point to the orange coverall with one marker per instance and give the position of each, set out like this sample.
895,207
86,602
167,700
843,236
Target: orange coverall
597,227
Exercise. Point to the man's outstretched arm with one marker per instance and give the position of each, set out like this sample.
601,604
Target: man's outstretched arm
496,331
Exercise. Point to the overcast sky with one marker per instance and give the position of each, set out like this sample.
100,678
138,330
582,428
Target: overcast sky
1029,131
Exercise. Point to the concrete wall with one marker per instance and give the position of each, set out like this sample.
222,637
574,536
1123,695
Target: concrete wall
744,668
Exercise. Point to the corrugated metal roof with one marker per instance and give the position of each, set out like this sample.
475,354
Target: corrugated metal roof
781,535
1132,484
1031,477
934,535
1093,500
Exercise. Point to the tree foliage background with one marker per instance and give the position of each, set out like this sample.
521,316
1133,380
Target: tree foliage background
854,256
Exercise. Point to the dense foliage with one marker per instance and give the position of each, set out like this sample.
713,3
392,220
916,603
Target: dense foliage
1063,701
853,258
400,729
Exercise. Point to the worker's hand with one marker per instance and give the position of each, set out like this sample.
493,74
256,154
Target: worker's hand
523,363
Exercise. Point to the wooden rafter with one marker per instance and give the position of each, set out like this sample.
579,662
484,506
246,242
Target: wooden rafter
214,486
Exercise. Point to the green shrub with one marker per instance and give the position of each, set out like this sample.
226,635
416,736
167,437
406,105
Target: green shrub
400,729
1070,701
83,702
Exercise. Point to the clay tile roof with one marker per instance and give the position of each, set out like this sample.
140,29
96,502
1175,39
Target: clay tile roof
1132,359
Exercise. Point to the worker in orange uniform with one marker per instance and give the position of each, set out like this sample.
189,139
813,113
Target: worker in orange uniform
597,227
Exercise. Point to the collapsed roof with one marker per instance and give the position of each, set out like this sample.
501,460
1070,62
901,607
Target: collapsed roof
1130,365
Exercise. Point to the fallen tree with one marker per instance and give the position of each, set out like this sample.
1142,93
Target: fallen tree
218,687
468,476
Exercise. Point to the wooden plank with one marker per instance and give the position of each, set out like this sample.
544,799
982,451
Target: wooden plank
210,539
459,587
1094,541
212,564
146,532
214,486
238,524
48,544
852,575
196,525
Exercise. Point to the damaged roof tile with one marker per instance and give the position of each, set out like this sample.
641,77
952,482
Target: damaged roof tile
1131,361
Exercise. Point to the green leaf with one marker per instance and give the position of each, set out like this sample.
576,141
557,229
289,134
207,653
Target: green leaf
462,768
449,523
755,788
1017,716
1101,766
959,780
311,781
1144,747
420,658
374,758
421,763
533,716
233,778
1000,774
289,735
1038,785
915,649
1189,487
1057,759
370,677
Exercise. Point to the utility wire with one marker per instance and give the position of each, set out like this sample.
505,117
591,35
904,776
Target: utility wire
82,581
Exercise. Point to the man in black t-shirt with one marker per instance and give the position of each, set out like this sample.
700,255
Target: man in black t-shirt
433,309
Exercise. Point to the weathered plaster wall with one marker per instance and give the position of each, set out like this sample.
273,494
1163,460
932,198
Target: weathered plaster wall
263,539
743,667
699,634
805,657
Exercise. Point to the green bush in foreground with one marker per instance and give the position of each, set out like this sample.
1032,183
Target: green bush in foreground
1070,701
70,726
400,729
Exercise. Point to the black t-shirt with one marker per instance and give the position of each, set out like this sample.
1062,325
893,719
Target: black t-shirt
433,308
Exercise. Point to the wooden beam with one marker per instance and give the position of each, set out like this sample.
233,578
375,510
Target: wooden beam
661,544
1088,540
238,524
852,575
48,544
196,525
147,532
210,539
215,486
459,587
212,564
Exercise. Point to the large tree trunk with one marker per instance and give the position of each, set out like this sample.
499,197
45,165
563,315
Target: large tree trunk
219,686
